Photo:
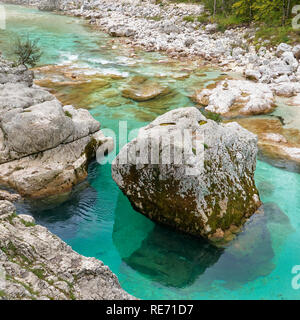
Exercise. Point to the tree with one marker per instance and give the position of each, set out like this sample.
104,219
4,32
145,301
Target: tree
27,51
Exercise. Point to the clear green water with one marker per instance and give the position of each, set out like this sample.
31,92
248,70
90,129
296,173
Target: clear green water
153,262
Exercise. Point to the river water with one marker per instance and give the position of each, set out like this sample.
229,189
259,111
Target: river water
152,262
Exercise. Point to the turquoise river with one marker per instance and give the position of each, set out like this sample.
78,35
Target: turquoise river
152,262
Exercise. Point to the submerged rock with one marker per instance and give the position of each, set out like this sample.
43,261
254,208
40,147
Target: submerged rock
209,193
158,257
167,257
38,265
44,147
142,89
237,97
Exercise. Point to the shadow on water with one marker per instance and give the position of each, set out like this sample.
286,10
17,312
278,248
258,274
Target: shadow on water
62,215
177,260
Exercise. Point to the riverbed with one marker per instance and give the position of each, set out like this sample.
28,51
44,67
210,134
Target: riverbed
152,262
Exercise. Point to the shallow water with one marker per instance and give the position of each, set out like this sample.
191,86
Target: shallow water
152,261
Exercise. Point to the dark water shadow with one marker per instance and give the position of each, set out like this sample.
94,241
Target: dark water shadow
174,260
63,215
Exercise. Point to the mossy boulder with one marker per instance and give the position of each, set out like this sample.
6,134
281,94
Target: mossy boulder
210,193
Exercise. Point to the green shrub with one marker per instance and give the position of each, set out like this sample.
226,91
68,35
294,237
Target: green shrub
27,51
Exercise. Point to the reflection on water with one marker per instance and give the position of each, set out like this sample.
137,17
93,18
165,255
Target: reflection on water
177,260
165,256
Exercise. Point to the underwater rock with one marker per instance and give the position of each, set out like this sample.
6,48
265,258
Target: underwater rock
40,266
237,97
167,257
171,264
143,89
207,193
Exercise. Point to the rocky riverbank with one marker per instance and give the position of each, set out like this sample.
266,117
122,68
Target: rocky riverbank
36,264
166,27
45,147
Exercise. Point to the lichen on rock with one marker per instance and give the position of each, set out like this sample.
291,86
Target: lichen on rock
210,199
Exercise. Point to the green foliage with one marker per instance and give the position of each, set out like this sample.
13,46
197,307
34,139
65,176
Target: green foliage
28,224
68,114
189,18
40,273
155,18
277,35
272,16
27,51
225,22
212,116
276,12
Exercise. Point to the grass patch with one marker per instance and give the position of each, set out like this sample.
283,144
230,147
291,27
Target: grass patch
155,18
189,18
11,218
28,224
40,273
212,116
68,114
203,19
276,35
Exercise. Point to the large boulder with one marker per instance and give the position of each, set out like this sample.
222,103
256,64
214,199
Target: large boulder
45,148
286,89
277,144
205,187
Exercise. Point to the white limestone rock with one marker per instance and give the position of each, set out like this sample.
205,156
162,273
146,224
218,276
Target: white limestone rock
204,198
40,266
251,98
